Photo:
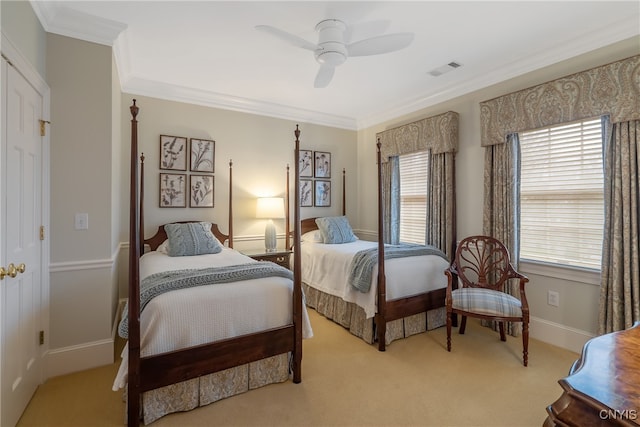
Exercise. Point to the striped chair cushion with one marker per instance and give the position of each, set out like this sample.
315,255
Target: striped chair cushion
486,301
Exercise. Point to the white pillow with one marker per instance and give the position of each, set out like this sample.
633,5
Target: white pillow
312,236
164,247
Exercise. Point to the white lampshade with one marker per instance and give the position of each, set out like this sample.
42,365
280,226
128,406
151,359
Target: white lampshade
270,208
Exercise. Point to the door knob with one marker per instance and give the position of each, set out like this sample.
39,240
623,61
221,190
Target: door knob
12,271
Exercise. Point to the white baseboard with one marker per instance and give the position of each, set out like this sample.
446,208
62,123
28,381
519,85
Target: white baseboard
77,358
558,335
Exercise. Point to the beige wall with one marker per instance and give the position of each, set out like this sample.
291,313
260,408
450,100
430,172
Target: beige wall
578,309
80,81
117,168
21,25
83,274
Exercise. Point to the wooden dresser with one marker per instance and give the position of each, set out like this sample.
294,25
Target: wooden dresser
603,387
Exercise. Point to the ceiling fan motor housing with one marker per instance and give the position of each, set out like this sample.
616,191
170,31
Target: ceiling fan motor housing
331,48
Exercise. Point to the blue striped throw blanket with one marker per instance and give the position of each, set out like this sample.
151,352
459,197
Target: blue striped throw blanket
159,283
363,262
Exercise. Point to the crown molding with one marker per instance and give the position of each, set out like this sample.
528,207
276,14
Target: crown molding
153,89
72,23
627,28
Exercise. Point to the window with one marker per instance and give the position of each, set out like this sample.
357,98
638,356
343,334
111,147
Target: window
414,178
562,195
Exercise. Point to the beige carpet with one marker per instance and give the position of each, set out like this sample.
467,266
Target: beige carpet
346,382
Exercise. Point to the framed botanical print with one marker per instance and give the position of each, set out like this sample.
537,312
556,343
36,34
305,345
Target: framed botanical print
306,163
201,194
306,192
202,155
322,192
173,152
322,164
173,190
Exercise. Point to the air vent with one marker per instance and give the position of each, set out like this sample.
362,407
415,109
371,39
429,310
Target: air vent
445,68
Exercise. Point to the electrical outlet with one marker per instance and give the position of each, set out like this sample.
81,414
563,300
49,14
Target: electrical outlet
553,298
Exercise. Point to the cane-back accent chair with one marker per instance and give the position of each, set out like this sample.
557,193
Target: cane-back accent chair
477,277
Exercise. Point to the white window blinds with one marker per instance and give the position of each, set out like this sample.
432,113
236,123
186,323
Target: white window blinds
562,194
414,178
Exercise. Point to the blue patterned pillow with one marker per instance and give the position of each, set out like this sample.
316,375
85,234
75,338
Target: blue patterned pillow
192,238
335,229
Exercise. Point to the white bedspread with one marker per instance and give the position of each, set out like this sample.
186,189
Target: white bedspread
326,268
193,316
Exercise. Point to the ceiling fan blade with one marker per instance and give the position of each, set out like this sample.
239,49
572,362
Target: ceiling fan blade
324,76
365,30
381,44
287,37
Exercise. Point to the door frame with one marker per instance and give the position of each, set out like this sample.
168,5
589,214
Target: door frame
26,69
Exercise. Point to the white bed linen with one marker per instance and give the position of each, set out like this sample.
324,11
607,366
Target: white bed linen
326,268
187,317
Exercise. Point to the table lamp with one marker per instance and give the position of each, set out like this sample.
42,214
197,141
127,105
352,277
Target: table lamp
270,208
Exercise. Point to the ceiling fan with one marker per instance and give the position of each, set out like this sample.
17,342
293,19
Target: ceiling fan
332,49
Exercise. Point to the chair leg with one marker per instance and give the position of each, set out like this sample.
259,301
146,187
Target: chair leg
503,337
525,343
463,324
448,331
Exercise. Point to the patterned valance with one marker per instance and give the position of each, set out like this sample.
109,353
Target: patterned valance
438,133
612,89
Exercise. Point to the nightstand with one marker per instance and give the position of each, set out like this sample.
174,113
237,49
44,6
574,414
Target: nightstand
281,257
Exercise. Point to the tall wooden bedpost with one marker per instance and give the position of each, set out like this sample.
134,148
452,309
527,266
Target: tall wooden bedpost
381,325
141,204
133,392
297,272
344,192
230,204
287,237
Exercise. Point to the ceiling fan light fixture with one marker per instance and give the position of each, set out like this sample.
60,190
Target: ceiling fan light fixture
331,57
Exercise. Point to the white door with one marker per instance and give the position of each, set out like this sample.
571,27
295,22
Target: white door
20,220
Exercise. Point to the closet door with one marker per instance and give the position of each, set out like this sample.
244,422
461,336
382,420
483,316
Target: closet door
20,248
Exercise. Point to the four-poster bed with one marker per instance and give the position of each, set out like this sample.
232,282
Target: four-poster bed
210,357
408,295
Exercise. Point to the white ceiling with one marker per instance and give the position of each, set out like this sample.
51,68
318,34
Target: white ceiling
209,53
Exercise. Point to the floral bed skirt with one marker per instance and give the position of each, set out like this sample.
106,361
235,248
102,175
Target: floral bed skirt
354,319
207,389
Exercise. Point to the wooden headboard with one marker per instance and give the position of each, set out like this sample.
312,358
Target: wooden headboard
308,224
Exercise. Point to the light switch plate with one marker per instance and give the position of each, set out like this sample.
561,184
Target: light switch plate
553,298
82,221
